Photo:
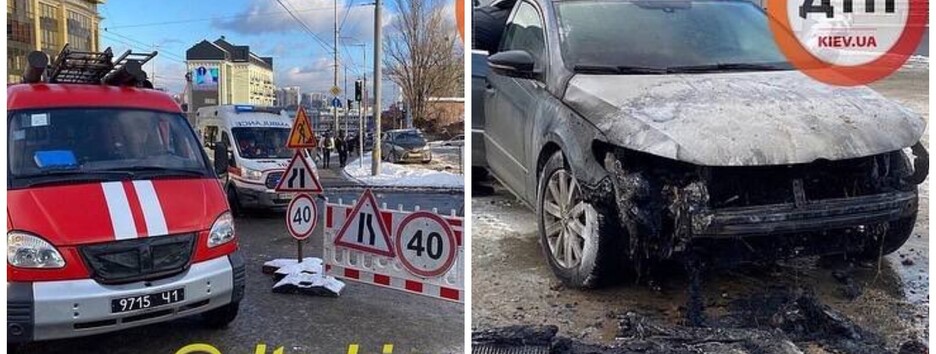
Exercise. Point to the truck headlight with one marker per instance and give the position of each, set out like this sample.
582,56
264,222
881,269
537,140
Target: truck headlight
251,174
222,231
29,251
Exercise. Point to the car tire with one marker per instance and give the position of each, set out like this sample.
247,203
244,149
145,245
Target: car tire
898,232
219,318
588,252
234,202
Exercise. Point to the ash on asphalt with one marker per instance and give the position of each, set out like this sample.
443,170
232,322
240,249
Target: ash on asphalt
816,305
365,315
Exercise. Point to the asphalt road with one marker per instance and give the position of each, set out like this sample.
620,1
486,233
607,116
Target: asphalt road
364,315
512,284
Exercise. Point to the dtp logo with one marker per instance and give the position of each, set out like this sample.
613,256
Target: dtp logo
848,42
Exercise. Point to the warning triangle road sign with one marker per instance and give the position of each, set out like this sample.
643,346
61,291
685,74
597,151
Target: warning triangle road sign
301,135
364,230
299,177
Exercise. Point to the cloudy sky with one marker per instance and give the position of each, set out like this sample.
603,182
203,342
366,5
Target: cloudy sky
172,26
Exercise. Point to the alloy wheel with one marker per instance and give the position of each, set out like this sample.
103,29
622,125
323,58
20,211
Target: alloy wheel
569,221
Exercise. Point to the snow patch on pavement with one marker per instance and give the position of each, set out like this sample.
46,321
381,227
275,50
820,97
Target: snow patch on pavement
395,175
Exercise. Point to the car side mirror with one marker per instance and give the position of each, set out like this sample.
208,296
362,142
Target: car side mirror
513,63
221,158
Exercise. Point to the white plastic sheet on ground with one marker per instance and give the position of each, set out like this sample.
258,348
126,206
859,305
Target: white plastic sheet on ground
394,175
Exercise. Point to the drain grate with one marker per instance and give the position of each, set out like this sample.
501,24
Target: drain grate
490,348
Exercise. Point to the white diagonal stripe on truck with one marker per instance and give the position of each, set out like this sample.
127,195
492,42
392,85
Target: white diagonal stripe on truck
152,209
119,210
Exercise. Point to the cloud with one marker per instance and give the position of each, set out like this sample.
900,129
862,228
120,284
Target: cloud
169,75
315,77
268,17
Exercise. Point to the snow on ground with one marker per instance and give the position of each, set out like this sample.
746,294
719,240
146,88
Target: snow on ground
394,175
917,62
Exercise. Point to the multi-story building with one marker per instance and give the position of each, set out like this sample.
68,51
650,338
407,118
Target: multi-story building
47,25
224,73
289,97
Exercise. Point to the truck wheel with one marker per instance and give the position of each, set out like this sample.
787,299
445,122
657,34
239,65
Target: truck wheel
577,238
898,232
234,201
220,317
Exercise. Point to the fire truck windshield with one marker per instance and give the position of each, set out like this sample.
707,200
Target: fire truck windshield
61,145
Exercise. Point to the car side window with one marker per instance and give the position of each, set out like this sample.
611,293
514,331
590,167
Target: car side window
525,32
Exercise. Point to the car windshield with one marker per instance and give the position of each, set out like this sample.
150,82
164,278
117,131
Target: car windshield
72,144
661,36
262,143
410,137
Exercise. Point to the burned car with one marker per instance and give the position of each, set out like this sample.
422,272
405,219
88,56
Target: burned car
643,131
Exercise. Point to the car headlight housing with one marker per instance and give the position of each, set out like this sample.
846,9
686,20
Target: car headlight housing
25,250
222,231
251,174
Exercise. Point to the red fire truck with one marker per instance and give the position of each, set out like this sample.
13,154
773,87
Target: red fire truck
115,217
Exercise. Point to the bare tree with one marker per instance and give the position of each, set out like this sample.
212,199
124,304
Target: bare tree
421,55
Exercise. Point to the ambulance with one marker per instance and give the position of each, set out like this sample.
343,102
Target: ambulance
249,144
115,216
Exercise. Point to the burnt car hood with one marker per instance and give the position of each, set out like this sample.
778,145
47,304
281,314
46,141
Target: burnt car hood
742,119
84,213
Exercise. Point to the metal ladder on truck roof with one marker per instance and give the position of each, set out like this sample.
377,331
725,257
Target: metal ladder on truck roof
78,67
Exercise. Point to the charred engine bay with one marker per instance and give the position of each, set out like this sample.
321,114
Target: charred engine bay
669,209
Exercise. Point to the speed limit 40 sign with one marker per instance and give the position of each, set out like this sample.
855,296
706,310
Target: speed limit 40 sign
419,252
425,244
301,216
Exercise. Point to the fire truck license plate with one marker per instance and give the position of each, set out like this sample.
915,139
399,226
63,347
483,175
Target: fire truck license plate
140,302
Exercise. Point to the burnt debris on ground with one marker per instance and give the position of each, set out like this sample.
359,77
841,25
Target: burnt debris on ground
779,320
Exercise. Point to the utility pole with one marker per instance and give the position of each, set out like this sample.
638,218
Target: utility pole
155,50
335,83
362,112
348,108
378,46
363,104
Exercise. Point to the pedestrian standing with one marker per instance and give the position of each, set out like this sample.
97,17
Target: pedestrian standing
341,146
329,146
352,143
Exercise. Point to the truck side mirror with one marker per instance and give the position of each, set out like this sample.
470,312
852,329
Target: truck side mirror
221,158
513,63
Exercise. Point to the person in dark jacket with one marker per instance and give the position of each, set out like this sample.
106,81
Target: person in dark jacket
341,145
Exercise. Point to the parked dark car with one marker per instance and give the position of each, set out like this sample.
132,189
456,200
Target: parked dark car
642,130
405,145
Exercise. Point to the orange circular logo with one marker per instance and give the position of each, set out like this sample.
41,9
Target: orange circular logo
848,42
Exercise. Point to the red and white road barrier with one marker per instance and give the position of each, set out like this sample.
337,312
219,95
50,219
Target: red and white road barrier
416,251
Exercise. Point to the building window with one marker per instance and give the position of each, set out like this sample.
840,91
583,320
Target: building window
79,31
20,21
48,24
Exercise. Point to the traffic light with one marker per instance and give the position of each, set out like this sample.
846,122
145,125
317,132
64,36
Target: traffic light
358,90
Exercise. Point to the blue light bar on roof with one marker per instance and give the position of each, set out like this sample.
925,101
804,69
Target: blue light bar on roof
243,108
